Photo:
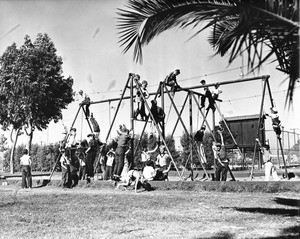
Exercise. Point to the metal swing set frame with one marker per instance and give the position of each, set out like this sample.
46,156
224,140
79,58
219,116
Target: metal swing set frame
132,83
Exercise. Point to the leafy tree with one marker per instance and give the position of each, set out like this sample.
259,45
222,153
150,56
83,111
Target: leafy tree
3,148
33,90
238,26
3,143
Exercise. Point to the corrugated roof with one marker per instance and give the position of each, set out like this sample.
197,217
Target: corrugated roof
242,117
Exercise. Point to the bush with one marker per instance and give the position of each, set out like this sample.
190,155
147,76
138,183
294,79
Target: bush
43,157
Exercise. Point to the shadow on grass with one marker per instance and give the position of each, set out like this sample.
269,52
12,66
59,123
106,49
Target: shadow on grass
285,233
288,201
270,211
44,183
220,235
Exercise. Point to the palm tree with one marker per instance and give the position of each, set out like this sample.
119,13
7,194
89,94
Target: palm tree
237,26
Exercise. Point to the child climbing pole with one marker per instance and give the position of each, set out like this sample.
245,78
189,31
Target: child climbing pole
158,115
276,123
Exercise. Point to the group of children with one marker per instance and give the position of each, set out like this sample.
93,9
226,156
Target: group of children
77,160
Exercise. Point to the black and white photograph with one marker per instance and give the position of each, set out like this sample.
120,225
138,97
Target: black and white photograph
149,119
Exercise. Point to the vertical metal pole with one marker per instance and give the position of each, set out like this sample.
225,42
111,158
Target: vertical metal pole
132,120
278,156
191,135
282,136
214,133
163,106
286,172
289,148
109,115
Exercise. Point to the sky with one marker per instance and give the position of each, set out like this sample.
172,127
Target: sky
86,37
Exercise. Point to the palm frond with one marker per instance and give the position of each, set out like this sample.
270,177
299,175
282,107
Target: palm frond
238,26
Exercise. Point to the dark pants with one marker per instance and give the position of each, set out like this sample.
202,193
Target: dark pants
160,176
277,129
140,110
26,177
82,172
66,177
74,177
221,172
211,102
119,160
90,163
108,172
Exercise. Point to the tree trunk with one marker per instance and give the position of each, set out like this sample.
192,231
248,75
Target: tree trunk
29,131
30,136
14,141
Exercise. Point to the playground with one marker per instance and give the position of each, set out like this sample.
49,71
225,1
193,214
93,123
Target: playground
185,145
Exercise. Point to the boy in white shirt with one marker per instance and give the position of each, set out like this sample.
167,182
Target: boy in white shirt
270,169
25,161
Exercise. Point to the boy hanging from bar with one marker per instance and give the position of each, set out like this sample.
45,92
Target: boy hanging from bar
199,139
207,94
216,91
96,127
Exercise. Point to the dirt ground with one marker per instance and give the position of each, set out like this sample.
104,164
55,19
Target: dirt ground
85,212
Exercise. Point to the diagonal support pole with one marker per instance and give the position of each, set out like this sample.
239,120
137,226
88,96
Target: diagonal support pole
118,107
184,127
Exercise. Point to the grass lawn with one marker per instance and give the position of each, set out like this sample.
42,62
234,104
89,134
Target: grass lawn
84,212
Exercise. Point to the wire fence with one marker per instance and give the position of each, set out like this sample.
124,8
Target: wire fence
290,145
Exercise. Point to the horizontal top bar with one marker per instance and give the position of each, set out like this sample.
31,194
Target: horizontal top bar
194,87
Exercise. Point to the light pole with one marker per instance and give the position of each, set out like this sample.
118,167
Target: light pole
294,132
109,114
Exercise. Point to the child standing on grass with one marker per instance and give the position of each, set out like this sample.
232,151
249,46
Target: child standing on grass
109,164
25,161
270,169
163,164
65,169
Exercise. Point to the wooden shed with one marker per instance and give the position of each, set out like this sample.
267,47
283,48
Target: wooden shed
244,129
